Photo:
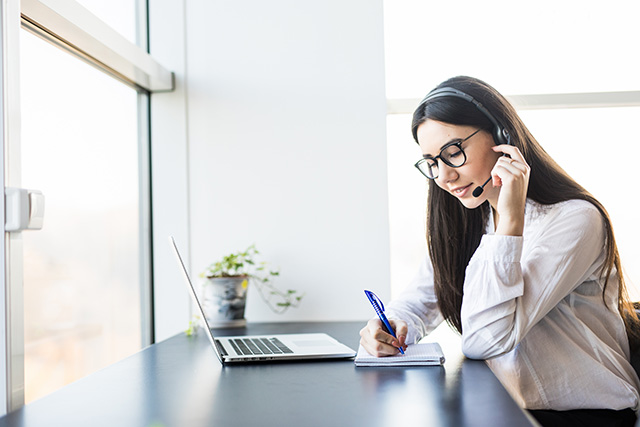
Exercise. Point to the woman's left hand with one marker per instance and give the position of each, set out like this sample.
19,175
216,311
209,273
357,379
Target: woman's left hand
512,174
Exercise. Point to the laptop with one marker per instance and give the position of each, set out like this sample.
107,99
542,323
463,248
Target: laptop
262,348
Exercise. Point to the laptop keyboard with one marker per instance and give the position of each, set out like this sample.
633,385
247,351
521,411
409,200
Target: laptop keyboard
246,346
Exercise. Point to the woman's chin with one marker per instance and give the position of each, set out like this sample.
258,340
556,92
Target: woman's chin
472,202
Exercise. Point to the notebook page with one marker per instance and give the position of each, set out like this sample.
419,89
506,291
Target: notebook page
422,354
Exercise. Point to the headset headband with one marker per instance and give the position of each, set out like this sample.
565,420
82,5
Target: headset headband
500,134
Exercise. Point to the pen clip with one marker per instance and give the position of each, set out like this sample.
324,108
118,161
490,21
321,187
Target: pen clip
375,301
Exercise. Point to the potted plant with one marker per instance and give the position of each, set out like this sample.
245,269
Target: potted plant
225,284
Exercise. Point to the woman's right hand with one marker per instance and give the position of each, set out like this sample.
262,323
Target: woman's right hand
379,343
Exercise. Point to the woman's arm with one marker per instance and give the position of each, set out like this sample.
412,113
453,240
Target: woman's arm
512,282
418,305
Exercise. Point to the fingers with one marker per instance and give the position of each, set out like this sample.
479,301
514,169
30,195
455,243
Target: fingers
511,150
401,331
514,164
512,174
378,342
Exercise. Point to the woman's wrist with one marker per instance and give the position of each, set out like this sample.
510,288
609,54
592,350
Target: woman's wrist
510,227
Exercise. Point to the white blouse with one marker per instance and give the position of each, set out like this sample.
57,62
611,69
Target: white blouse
533,308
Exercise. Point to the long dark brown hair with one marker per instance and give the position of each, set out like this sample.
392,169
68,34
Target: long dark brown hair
454,232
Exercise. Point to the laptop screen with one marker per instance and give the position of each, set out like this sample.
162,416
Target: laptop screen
192,291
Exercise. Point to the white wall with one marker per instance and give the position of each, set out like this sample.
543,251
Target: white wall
286,129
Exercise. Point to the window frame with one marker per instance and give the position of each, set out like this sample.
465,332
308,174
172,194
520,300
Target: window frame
70,26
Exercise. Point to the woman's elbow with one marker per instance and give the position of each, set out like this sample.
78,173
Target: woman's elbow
475,346
472,351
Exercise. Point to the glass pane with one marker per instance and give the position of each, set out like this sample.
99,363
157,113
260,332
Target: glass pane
518,47
597,147
81,271
121,15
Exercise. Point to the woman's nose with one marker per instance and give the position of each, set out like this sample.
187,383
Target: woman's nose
446,173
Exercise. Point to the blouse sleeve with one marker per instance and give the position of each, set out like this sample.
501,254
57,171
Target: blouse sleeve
417,305
506,293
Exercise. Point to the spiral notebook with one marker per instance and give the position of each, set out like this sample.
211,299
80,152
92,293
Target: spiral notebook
423,354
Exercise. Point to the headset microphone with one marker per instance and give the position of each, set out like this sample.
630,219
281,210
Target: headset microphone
478,190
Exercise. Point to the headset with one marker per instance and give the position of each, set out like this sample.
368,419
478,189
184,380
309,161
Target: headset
500,134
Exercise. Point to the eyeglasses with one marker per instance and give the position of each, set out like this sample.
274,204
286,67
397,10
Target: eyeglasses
451,155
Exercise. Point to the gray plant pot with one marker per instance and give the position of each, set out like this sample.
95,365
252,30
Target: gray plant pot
224,301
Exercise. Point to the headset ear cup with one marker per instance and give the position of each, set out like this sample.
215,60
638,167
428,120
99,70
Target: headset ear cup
507,137
497,136
502,136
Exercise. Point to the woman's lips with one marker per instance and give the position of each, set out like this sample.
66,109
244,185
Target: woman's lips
461,191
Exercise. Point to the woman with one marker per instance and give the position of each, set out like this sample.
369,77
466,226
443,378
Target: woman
522,263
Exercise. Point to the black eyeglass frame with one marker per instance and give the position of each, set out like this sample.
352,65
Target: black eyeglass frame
457,143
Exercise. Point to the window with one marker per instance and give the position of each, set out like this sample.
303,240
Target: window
549,47
121,15
82,305
82,284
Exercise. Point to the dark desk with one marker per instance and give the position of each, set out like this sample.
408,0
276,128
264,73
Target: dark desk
179,382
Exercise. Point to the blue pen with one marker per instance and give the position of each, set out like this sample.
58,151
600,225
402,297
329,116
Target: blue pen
379,308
